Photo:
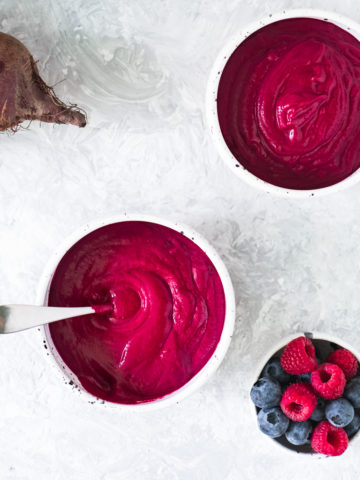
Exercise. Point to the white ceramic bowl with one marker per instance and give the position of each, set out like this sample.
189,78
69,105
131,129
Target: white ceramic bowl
267,356
211,105
202,376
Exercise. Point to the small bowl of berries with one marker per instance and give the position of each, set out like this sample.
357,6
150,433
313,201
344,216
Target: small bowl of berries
307,395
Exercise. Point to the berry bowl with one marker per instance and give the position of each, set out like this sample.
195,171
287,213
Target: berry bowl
270,93
306,396
169,315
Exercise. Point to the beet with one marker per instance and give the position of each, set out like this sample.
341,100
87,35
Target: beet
24,95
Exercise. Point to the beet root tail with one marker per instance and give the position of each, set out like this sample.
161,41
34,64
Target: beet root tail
52,110
48,108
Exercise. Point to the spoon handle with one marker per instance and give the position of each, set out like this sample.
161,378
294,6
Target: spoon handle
14,318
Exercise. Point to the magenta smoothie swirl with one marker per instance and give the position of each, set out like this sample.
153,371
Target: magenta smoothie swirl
289,103
168,311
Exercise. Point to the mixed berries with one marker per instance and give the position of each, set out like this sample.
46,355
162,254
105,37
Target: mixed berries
299,356
298,402
345,360
328,381
329,440
309,402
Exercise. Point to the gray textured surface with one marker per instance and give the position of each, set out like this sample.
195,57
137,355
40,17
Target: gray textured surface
140,69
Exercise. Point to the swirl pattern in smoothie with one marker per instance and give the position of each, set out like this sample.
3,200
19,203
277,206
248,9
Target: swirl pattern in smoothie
289,103
167,315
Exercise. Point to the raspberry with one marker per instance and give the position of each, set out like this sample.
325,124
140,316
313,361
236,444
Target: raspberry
328,381
345,360
328,439
298,402
299,356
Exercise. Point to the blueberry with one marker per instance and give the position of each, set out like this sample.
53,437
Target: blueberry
352,392
353,426
339,412
266,392
305,377
299,433
273,422
274,369
319,413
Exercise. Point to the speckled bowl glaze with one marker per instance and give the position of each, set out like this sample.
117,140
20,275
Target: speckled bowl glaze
69,378
300,450
211,105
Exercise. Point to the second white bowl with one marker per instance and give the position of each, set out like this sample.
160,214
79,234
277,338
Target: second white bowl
211,102
67,376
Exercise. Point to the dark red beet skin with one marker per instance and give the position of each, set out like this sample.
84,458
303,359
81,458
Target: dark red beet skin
24,95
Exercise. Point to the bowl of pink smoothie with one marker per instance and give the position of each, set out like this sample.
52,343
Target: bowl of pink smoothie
283,103
168,317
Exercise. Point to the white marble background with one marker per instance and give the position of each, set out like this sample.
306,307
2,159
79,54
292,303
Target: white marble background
140,69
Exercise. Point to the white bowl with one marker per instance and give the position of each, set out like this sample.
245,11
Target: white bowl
212,91
195,382
268,355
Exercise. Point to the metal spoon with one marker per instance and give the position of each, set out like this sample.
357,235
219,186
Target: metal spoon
14,318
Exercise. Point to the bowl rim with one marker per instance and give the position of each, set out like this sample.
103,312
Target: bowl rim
63,371
313,335
211,101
